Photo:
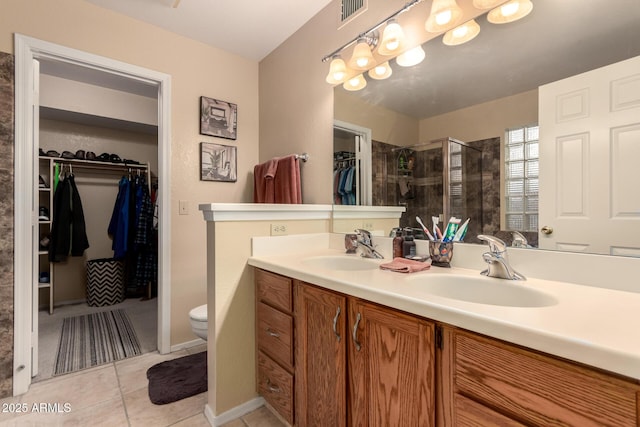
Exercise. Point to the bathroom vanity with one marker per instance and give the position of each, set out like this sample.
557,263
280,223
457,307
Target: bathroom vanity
355,345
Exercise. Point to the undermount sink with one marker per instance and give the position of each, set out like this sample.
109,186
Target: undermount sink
342,263
484,290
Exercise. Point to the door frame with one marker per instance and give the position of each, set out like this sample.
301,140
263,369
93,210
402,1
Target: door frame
363,158
28,49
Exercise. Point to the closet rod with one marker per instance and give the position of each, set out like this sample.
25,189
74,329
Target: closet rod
108,166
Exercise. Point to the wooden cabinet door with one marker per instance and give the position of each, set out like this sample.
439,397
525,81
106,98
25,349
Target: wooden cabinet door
391,367
320,372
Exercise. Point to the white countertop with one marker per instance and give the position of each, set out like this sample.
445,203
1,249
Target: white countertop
591,325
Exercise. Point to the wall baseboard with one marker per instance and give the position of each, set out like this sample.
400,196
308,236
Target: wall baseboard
187,344
232,413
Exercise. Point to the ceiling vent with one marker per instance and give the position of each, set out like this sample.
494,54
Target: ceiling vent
350,8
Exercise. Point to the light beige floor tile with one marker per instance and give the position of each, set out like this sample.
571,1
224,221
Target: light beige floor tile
106,414
196,421
262,417
143,413
11,408
80,391
235,423
132,372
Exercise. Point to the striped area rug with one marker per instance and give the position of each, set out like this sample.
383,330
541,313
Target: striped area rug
95,339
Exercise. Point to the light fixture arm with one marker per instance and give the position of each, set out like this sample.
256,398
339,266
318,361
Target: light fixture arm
370,35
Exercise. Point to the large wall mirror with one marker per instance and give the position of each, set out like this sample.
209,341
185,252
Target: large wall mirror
471,131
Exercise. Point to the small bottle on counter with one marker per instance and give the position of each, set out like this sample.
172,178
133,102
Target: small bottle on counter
409,244
397,244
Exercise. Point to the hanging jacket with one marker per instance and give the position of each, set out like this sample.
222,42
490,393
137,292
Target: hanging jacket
68,229
119,223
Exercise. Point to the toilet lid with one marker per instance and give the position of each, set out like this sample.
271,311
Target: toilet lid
199,313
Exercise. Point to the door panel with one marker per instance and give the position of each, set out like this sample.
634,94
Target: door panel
589,157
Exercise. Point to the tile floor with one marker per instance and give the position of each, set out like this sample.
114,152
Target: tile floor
114,395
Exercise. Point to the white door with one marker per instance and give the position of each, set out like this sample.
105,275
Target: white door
590,161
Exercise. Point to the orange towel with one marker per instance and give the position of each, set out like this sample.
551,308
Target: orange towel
287,181
404,265
263,181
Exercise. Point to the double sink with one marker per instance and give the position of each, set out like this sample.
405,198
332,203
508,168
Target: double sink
474,289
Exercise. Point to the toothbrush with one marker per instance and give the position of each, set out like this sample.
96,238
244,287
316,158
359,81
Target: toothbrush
425,229
461,231
436,231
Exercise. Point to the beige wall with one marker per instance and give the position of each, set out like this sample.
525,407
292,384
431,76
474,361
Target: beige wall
386,125
196,69
482,121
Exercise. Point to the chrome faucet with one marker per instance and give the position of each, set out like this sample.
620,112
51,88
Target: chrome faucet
519,241
364,242
497,260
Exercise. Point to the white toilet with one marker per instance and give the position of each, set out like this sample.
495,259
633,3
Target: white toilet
198,318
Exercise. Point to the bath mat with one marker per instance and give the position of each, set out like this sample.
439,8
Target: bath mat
178,378
95,339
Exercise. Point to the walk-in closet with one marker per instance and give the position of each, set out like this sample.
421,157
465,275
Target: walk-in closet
96,257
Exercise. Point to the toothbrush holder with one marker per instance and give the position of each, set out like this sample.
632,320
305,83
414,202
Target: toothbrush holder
441,253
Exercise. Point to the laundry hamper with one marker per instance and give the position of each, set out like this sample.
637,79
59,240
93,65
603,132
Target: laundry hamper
105,282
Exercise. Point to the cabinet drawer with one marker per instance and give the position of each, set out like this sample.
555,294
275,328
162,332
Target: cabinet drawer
540,390
275,334
274,290
276,386
472,414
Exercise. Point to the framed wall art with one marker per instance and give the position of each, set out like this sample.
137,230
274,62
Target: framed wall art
218,162
218,118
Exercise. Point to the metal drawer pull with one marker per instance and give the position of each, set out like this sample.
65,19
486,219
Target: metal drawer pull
355,332
273,389
335,323
272,333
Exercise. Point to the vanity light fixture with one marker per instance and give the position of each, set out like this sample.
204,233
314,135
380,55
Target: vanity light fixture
411,57
510,11
355,83
462,33
392,39
337,71
381,71
362,59
444,15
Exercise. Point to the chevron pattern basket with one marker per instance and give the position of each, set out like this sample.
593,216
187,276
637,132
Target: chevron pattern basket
105,282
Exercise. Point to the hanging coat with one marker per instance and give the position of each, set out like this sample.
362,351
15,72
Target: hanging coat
119,224
68,229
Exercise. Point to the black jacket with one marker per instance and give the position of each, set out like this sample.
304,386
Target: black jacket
68,230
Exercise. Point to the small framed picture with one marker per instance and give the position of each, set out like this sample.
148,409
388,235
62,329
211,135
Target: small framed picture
218,162
218,118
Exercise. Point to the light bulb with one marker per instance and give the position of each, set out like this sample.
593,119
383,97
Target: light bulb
356,83
509,9
411,57
443,18
460,31
392,39
337,71
362,62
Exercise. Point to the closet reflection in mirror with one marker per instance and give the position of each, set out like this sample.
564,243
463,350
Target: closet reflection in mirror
483,89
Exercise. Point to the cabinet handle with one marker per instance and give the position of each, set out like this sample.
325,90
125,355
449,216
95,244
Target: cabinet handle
272,333
355,332
273,389
335,323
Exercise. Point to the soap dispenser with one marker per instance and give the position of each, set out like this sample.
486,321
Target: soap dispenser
409,244
397,244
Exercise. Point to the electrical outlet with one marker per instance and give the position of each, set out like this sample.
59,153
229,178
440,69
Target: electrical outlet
278,229
183,208
367,225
